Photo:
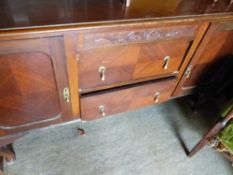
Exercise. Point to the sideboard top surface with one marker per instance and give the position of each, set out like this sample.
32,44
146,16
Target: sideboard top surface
21,14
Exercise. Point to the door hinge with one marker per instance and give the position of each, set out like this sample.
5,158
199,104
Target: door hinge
66,94
188,71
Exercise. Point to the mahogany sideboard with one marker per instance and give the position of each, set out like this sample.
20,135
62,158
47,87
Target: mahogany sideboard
69,60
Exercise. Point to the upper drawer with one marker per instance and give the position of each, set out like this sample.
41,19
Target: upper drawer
118,35
124,63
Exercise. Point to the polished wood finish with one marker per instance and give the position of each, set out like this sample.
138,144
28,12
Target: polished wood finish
32,80
46,46
125,99
215,49
125,53
197,41
34,13
130,62
72,67
27,92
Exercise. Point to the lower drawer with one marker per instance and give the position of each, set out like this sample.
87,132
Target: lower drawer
94,106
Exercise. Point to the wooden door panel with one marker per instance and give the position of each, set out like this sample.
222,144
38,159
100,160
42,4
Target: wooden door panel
129,62
28,89
215,49
32,79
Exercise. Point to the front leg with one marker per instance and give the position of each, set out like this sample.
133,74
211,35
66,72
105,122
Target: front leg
8,153
1,165
6,150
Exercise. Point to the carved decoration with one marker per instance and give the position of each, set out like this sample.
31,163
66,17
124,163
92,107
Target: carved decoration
123,37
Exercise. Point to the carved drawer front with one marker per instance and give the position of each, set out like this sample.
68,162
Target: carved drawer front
121,64
142,33
98,105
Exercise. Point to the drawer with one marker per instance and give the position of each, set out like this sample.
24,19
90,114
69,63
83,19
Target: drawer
106,66
98,105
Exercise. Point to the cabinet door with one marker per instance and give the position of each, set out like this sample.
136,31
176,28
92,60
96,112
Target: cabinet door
215,49
32,79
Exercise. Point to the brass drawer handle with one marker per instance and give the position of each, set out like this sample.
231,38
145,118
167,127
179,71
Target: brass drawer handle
156,97
102,71
166,62
102,110
188,71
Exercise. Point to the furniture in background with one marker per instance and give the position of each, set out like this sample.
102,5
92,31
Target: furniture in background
220,135
84,60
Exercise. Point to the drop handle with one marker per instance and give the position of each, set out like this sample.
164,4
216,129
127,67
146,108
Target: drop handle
102,110
102,71
156,97
166,62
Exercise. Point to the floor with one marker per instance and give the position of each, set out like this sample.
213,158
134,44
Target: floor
149,141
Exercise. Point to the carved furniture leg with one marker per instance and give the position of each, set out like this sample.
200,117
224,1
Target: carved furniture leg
6,150
1,165
81,132
8,153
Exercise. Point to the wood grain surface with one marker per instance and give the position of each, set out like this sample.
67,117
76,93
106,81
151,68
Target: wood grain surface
124,99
